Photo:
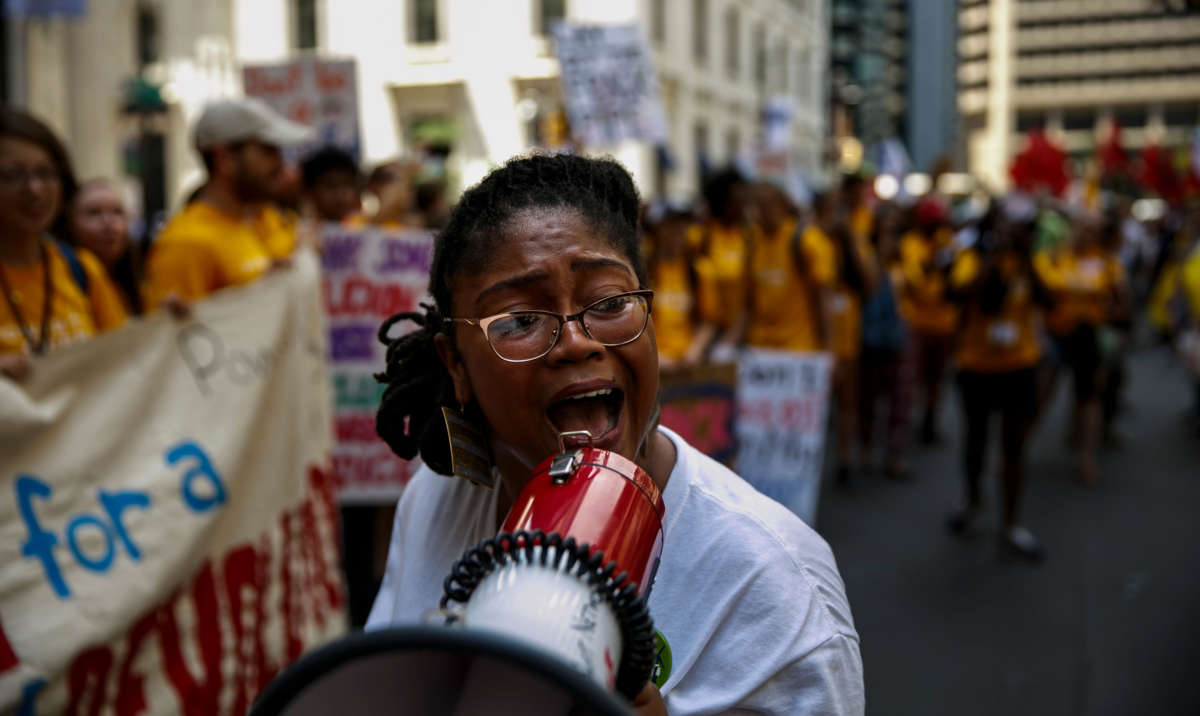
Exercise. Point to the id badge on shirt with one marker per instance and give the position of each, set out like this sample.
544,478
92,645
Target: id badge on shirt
1002,334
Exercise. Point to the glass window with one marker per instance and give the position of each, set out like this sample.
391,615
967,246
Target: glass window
658,21
733,144
733,41
304,17
760,57
424,21
700,30
550,12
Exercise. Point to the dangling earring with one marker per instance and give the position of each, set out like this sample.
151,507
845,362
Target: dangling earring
468,448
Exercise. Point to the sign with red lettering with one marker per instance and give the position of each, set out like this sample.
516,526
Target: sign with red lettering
322,94
170,533
369,274
782,410
700,404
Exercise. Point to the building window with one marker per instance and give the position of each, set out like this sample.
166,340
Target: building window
424,21
550,12
658,21
147,35
733,44
304,19
700,139
780,70
803,76
733,144
700,30
760,58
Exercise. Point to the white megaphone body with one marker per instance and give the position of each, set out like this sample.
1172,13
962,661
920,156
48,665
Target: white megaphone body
547,617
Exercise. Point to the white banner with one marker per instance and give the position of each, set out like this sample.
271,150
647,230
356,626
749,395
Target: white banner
783,409
322,94
609,84
369,274
168,533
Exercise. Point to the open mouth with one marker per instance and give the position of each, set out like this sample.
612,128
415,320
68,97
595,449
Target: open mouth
597,412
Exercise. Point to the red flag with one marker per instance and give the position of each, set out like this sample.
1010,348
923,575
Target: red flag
1041,166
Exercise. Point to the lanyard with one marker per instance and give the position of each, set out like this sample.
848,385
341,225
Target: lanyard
37,346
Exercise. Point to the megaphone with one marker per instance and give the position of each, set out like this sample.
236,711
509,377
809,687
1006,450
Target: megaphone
556,602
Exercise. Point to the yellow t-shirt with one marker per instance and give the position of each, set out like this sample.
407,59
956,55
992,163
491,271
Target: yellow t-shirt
1006,340
1082,283
203,250
923,301
720,272
73,316
672,311
782,314
845,305
1189,275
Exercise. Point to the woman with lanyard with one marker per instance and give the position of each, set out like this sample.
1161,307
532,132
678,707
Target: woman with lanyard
995,283
53,295
541,325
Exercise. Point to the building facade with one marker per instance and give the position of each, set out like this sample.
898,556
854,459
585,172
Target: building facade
1072,66
485,69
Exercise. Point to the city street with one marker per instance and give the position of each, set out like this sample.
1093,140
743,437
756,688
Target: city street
1107,625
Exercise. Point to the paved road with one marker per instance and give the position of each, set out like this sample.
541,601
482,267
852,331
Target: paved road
1109,624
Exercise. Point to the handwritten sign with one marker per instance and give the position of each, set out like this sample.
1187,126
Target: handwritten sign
700,404
609,85
168,527
783,407
369,274
322,94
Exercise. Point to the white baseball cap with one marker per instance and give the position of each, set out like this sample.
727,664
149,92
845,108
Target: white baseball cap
229,121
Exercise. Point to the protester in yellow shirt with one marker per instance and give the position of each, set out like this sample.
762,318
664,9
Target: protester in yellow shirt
669,266
721,246
1087,285
997,358
99,222
53,295
231,234
926,253
789,272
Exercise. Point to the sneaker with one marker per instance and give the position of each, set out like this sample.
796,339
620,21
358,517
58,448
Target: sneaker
1020,542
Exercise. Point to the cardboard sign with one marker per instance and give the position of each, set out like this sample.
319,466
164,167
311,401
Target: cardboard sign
369,274
609,85
322,94
700,404
168,533
783,409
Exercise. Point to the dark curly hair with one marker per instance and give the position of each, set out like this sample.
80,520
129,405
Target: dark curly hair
602,192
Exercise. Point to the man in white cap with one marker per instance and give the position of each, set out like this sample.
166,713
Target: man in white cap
230,234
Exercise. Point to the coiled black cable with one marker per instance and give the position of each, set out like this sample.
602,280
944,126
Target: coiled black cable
637,627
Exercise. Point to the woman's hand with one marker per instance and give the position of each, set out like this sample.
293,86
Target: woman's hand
179,309
649,702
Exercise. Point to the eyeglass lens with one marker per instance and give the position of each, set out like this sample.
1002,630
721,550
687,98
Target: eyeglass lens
524,336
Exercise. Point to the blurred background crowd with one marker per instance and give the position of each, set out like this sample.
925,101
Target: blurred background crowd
968,204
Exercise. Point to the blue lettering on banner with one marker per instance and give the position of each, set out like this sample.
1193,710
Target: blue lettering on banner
339,253
399,255
203,468
201,490
29,697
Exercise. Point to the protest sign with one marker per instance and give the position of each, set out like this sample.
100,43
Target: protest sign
783,405
168,531
700,404
322,94
609,85
369,274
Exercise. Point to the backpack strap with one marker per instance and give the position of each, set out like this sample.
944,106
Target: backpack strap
76,266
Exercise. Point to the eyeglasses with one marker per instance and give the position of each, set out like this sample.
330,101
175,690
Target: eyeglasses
522,336
20,176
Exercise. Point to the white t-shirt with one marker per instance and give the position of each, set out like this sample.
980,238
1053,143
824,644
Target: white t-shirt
748,596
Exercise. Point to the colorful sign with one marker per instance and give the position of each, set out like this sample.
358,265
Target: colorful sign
783,409
168,530
369,274
609,85
700,404
322,94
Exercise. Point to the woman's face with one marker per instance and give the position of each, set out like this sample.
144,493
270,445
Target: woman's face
99,222
553,260
30,188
